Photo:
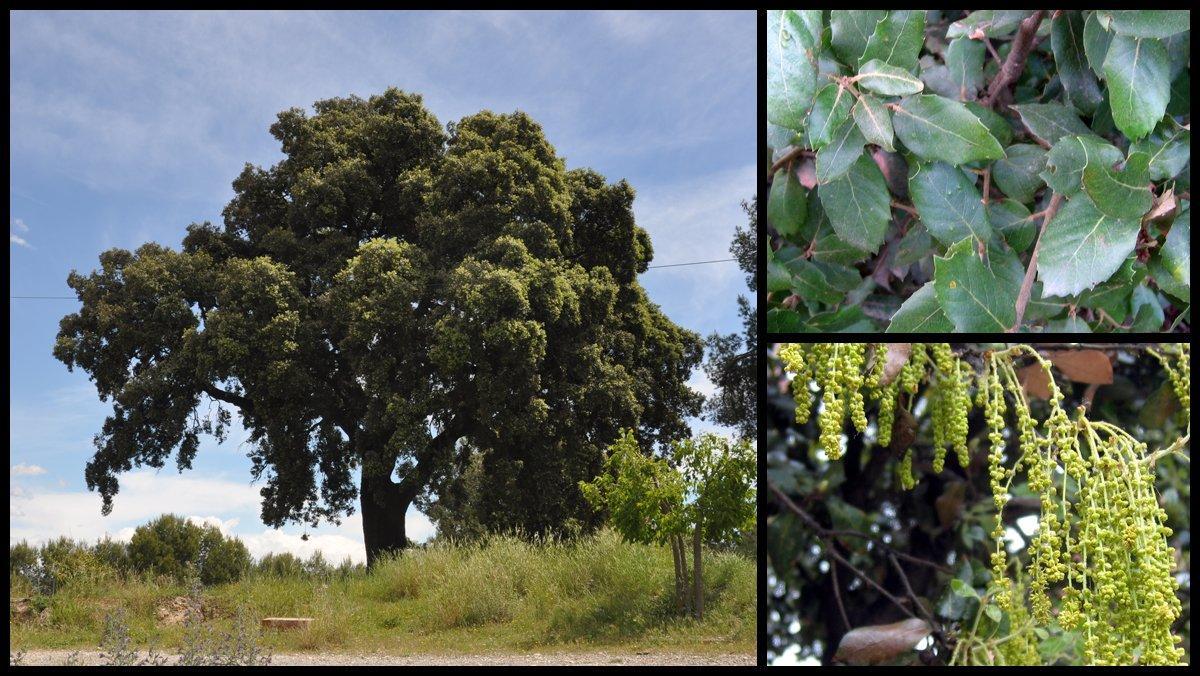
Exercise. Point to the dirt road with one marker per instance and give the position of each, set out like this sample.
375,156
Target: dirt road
597,657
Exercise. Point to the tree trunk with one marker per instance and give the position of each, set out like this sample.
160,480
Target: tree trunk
699,573
676,555
685,581
383,510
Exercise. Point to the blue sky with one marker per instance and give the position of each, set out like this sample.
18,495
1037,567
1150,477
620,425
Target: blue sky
126,127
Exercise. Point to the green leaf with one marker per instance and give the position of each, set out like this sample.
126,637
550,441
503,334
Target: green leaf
1169,147
936,128
993,22
1051,121
1150,23
964,58
850,30
1068,157
823,242
1112,295
791,68
858,205
786,204
874,121
1017,174
1171,266
914,246
997,125
1082,247
780,320
897,38
1071,324
993,612
949,204
881,78
978,295
1120,194
1147,311
920,313
831,109
843,320
1011,219
822,282
1095,43
1136,72
937,80
836,158
963,589
1079,84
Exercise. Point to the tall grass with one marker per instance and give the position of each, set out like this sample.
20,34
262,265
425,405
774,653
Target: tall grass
499,593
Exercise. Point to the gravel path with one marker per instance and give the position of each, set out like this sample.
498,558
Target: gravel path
594,657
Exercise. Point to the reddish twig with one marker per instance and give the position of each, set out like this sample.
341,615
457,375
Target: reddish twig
1015,63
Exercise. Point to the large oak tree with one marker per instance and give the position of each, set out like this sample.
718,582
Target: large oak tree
386,298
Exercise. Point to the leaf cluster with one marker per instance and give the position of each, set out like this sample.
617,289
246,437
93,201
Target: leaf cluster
1002,170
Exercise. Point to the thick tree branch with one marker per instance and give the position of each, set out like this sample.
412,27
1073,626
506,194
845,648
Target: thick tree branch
241,402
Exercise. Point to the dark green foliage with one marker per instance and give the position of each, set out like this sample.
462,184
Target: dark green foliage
383,298
989,127
732,363
170,546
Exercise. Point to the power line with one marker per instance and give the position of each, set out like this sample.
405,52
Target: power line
676,265
668,265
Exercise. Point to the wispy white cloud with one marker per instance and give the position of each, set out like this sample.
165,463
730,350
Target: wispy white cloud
27,470
20,225
18,240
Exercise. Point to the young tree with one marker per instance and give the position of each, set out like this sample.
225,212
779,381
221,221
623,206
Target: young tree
706,489
381,298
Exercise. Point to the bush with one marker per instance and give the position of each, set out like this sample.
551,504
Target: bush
64,561
114,554
170,546
919,186
21,557
283,565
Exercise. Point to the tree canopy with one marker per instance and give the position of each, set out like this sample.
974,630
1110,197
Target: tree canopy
387,298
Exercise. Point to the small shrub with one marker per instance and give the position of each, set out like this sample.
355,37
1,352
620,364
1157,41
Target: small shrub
114,554
282,565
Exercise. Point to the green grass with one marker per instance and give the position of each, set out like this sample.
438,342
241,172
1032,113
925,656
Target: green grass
506,595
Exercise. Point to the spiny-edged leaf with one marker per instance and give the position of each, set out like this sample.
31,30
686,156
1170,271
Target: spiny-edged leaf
1112,295
881,78
830,109
1150,23
1068,157
1011,219
1082,247
858,205
849,32
1079,84
978,295
1171,266
836,158
1147,311
1051,121
948,203
874,121
897,38
787,203
936,128
964,58
993,22
1136,72
1169,147
1017,174
997,125
1123,193
1095,43
791,67
920,313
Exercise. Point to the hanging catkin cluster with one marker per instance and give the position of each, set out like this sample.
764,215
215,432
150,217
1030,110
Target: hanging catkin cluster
1101,543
